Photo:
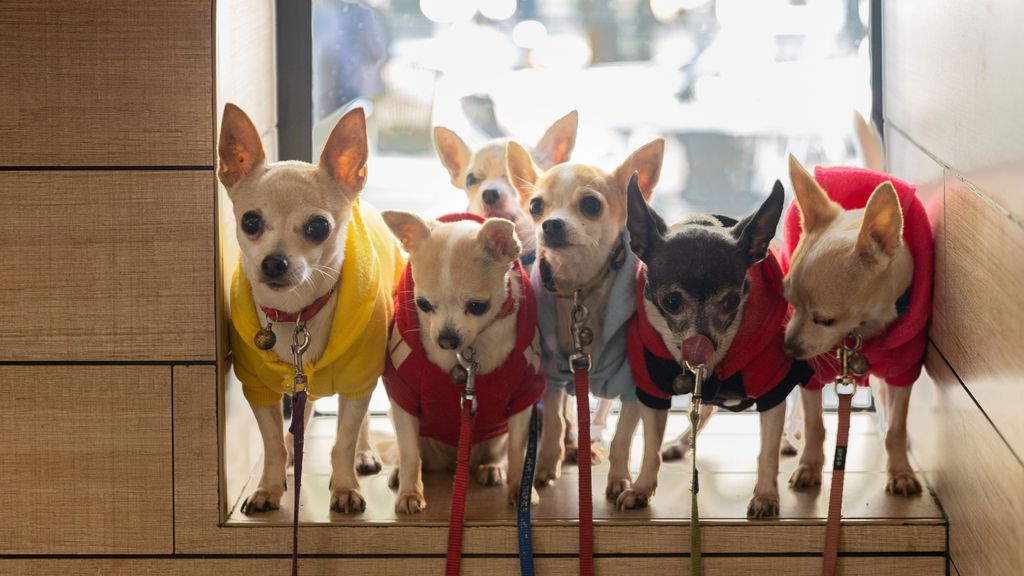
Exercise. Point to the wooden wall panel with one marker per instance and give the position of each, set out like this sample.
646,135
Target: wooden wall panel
107,265
975,475
106,83
86,462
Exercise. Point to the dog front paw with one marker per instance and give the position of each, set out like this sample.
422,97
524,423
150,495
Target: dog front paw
548,471
634,498
903,483
806,476
368,463
263,500
410,503
347,501
616,487
490,475
597,453
763,506
513,495
675,451
788,448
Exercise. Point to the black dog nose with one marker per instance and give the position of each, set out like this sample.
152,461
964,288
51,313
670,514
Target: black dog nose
491,196
792,349
274,266
553,226
448,340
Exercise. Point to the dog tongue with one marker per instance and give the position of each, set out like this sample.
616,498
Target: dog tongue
696,350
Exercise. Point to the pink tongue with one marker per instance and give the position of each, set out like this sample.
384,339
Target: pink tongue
696,350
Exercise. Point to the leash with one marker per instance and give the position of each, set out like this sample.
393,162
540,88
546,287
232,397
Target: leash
579,363
695,399
525,503
457,515
850,362
300,343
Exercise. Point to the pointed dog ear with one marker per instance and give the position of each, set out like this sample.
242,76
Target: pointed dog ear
522,172
755,232
498,237
646,162
410,229
646,228
454,155
346,151
816,208
881,232
239,148
557,144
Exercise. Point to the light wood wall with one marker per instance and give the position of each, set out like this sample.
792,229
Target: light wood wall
954,88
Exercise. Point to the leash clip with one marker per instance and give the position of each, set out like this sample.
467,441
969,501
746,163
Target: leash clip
300,343
850,362
465,359
580,333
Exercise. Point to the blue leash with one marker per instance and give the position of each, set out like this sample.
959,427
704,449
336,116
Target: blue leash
523,510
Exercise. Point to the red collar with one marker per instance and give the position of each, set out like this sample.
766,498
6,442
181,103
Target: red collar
510,302
305,314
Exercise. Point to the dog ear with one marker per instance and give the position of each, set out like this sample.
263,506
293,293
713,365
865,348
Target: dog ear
755,232
646,162
498,237
646,228
522,172
410,229
345,153
816,208
881,232
240,147
556,145
454,154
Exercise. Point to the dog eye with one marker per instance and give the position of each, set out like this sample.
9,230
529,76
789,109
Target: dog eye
590,206
318,229
471,180
477,308
672,302
824,321
252,223
424,305
536,207
730,302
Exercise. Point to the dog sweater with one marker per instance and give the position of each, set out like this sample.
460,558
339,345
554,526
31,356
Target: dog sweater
610,376
895,355
354,356
755,370
426,391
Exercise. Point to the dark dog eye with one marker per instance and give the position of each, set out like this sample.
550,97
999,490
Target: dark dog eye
252,223
672,302
730,302
536,207
590,206
318,229
424,305
471,180
477,308
824,321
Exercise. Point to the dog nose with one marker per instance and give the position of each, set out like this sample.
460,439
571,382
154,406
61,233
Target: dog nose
448,340
274,266
792,349
553,226
491,196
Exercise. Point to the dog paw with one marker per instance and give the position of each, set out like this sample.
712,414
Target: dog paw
597,453
805,476
633,499
547,473
788,448
393,478
410,503
763,506
490,475
347,501
616,487
677,451
368,463
262,500
513,495
572,453
903,483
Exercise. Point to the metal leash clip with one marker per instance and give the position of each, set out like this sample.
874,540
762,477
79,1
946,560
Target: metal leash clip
851,361
465,358
581,334
300,343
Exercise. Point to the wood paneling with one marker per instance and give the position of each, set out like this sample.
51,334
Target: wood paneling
107,265
246,60
978,324
86,462
954,83
106,83
976,477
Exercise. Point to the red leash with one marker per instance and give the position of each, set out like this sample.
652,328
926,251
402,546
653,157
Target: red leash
579,363
457,516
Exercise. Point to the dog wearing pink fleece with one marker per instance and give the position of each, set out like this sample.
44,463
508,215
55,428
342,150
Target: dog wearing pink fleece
858,257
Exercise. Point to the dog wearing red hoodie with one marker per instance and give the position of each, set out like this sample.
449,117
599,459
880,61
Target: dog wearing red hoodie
858,260
463,291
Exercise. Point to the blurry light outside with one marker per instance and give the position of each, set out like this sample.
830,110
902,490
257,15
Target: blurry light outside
529,34
498,9
448,11
562,51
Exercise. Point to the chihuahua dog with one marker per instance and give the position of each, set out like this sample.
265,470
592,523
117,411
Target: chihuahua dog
464,292
859,254
580,212
710,293
314,261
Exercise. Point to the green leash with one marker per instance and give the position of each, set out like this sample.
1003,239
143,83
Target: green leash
695,557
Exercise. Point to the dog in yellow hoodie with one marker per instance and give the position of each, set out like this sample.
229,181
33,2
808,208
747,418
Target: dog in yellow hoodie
312,254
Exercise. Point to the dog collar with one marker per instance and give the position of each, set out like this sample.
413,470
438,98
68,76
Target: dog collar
510,302
303,315
528,259
613,263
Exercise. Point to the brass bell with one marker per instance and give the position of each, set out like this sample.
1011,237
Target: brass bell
586,336
858,364
682,384
459,375
265,339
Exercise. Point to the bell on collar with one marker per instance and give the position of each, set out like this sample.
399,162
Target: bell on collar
682,384
459,375
265,338
858,364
